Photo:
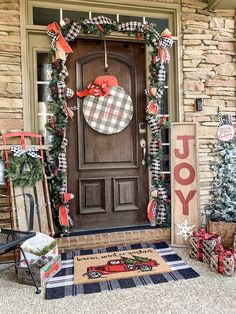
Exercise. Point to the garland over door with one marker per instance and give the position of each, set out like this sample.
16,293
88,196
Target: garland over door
106,172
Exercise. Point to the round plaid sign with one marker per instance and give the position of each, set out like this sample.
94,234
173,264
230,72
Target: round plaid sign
108,114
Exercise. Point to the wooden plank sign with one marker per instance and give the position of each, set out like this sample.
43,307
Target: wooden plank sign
184,181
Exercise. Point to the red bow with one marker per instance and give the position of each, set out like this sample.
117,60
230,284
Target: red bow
55,28
95,90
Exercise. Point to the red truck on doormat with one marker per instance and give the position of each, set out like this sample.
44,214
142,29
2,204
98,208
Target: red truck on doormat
121,265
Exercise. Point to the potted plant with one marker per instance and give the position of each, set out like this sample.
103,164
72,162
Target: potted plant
221,209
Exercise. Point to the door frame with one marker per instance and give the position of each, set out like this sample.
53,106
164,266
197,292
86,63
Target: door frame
148,9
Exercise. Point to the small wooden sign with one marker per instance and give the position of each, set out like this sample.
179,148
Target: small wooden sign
225,132
184,179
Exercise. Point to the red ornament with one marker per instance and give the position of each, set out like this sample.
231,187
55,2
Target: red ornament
100,28
152,108
52,122
162,120
67,197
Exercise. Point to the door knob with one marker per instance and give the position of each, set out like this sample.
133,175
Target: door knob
143,144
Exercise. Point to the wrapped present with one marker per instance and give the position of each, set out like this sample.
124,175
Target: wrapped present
202,245
222,261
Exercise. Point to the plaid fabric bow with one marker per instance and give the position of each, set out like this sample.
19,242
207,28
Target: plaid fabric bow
94,90
54,31
32,152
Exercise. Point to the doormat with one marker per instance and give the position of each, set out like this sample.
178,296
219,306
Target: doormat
62,284
117,265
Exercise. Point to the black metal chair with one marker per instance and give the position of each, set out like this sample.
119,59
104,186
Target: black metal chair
11,240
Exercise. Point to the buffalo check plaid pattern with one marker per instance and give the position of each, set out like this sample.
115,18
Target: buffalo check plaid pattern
108,114
131,26
99,20
161,214
62,162
62,284
73,32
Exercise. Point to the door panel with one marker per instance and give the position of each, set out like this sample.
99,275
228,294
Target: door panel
105,171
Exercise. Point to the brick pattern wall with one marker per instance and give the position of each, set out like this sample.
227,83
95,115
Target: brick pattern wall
113,239
209,72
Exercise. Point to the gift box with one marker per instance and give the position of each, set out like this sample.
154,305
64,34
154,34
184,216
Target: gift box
42,272
39,245
222,261
202,245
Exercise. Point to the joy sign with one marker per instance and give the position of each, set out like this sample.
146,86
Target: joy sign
184,177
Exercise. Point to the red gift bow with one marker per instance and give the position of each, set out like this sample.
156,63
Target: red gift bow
201,234
95,90
55,28
221,252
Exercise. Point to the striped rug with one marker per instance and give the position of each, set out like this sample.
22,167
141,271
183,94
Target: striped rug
61,284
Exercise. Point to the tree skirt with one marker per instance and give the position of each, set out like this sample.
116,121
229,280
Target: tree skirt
62,284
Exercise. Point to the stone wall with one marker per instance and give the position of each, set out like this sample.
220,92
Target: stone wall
11,103
209,72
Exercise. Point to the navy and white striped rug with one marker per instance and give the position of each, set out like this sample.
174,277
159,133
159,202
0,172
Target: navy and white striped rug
62,284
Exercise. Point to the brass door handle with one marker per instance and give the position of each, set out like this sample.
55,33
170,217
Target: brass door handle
143,144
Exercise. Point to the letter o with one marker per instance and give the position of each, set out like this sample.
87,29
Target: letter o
177,176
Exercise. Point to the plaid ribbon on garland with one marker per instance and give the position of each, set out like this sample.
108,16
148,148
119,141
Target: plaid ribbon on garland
54,39
73,32
62,162
131,26
64,72
99,20
61,89
161,214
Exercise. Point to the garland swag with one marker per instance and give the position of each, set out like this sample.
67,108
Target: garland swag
158,45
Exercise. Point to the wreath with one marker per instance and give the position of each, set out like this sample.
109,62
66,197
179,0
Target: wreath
24,168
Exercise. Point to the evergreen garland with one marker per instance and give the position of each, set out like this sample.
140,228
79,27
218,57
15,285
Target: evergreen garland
59,121
19,177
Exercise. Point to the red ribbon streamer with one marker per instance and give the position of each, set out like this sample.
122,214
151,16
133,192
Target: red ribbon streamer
55,28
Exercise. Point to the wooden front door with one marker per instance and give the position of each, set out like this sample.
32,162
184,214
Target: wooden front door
105,172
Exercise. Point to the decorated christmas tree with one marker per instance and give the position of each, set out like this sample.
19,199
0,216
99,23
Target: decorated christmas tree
222,205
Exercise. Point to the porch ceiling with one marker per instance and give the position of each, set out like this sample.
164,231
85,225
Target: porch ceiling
222,4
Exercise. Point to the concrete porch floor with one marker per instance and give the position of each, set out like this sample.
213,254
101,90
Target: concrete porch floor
209,293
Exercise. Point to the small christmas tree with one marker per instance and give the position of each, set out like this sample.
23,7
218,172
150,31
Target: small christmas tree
222,205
